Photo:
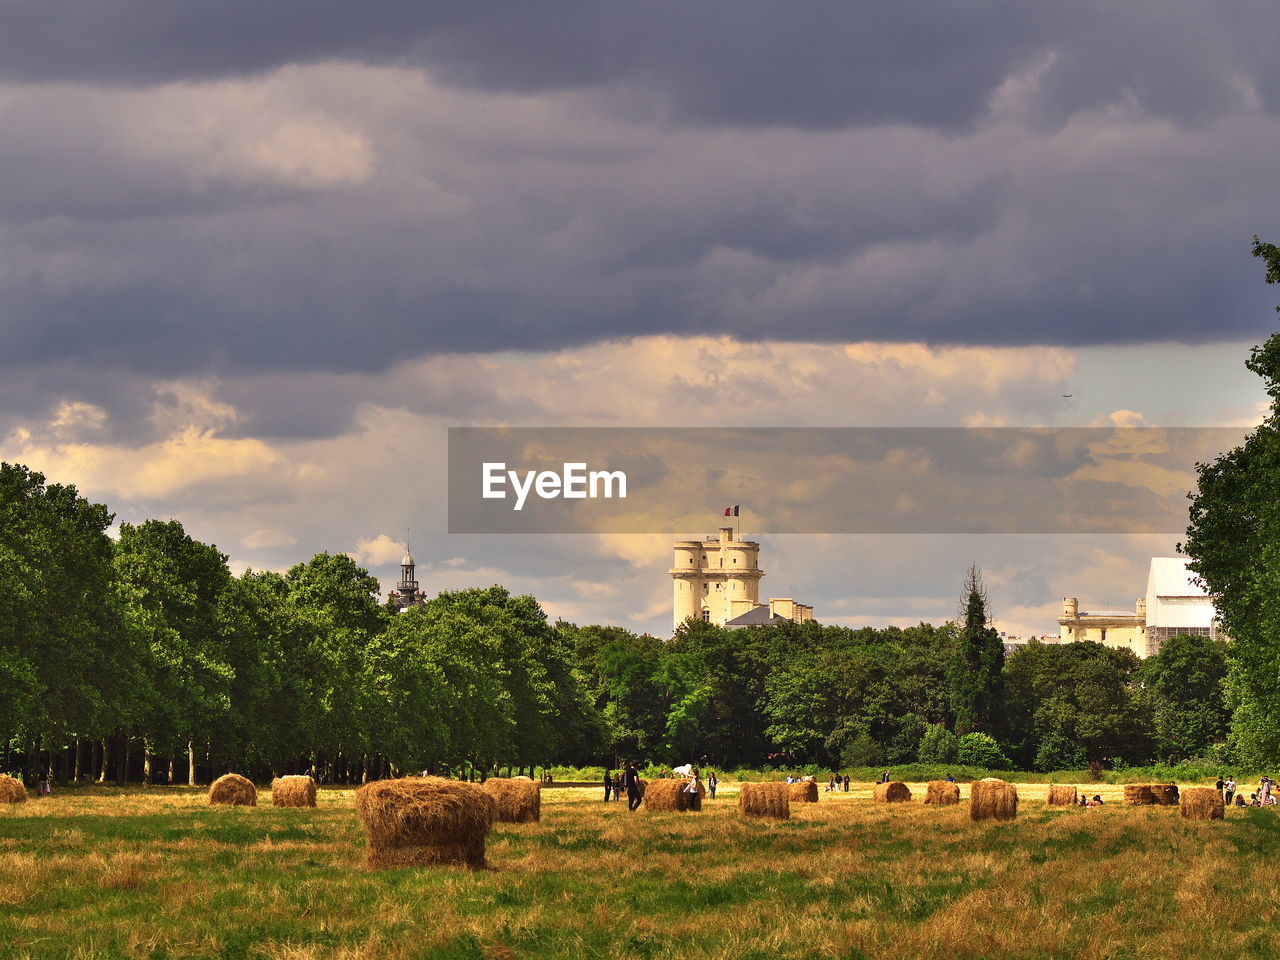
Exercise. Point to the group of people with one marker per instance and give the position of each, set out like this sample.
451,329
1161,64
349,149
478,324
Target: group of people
1264,796
627,780
1094,801
44,781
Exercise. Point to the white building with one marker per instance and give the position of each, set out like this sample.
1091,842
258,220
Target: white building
1175,604
717,579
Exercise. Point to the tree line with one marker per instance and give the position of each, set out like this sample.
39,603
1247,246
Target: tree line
144,658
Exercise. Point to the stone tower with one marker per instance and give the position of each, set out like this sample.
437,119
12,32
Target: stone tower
717,578
406,594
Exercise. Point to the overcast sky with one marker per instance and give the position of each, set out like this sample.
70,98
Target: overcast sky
254,259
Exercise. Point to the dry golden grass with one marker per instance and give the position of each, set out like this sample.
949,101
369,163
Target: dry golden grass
147,873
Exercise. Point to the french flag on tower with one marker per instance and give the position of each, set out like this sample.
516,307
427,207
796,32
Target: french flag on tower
731,511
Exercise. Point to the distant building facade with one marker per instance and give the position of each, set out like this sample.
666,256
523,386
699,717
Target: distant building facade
1173,604
717,579
1176,604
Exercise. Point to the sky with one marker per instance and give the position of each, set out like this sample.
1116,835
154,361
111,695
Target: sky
256,259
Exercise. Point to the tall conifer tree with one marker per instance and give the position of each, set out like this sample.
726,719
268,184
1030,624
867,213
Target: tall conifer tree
976,673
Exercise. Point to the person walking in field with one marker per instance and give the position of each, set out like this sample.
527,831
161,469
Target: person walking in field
695,797
846,783
885,778
712,783
632,781
1228,790
608,784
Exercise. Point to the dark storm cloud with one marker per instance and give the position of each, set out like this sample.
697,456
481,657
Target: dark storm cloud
821,63
491,177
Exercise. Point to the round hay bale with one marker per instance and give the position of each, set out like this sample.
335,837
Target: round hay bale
1138,795
517,800
1165,794
424,820
297,791
993,799
12,790
942,792
233,790
1061,795
674,796
771,801
893,792
1200,803
806,791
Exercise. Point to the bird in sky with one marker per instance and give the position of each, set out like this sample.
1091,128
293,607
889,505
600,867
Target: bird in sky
1066,396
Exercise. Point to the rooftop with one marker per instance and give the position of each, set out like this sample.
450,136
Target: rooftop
756,617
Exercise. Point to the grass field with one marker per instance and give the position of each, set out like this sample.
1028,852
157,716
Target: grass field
156,873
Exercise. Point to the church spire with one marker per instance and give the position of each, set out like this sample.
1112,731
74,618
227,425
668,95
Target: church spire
406,593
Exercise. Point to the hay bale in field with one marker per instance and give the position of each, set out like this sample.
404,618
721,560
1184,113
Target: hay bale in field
770,801
674,796
518,800
1200,803
942,792
1138,795
1061,795
424,820
299,791
12,790
894,792
1165,794
806,791
233,790
992,799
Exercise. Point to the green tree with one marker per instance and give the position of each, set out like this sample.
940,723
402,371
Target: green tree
981,750
411,723
262,725
553,715
976,680
170,588
1084,693
1184,688
331,616
621,671
64,666
1234,541
938,745
1056,752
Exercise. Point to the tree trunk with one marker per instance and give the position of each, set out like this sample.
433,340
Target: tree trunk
364,769
104,761
191,764
146,761
122,765
76,772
